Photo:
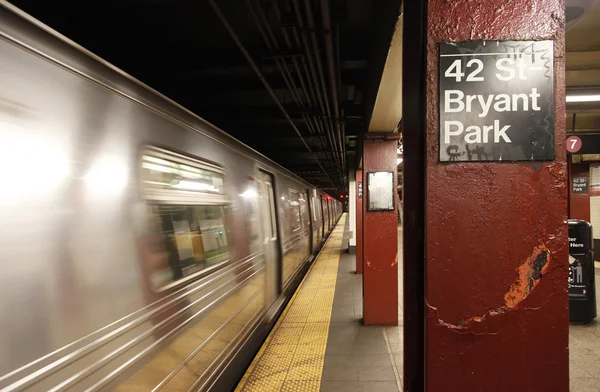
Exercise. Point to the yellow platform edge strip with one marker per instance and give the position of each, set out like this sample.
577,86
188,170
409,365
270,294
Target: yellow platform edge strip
306,364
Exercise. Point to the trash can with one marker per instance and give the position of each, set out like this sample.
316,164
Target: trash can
582,281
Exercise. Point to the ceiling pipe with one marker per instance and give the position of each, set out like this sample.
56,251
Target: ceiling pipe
307,87
321,93
266,32
333,80
317,123
339,89
259,15
253,65
325,125
281,65
332,119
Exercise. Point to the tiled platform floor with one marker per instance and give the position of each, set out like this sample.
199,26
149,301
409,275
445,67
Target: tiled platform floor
320,343
584,349
358,358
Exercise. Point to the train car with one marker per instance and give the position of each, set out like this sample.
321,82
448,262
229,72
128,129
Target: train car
142,248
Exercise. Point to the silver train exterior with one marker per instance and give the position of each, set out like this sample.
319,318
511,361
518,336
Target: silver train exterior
142,248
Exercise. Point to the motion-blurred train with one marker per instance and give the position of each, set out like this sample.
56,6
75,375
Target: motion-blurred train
141,248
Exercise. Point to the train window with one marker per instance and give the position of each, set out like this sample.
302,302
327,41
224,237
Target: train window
295,210
189,211
194,237
175,178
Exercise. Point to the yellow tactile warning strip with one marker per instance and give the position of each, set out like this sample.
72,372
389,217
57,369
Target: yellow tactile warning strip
292,357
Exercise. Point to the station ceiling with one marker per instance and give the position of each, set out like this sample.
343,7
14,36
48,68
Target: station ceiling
295,79
583,66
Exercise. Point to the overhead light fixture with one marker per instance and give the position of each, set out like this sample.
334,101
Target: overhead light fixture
583,98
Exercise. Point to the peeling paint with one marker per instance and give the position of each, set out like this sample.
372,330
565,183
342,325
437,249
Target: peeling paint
368,264
530,274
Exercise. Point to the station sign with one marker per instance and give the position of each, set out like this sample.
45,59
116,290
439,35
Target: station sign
580,184
360,190
496,101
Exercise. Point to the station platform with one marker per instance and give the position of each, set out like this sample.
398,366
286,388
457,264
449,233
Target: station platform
319,342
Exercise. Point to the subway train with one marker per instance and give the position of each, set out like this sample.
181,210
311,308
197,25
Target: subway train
142,248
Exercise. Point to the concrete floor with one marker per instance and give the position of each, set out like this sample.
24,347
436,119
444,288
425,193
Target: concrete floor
360,358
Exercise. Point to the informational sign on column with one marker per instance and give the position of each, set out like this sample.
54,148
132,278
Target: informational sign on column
580,184
496,101
380,191
579,283
360,189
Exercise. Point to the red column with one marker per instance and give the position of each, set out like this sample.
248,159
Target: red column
487,224
359,221
579,203
380,240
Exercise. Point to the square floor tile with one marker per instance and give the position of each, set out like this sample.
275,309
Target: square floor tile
339,386
377,386
376,373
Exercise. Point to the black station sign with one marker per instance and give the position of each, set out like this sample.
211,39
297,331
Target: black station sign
496,101
580,184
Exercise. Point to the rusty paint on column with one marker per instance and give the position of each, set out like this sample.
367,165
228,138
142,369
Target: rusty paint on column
482,222
380,241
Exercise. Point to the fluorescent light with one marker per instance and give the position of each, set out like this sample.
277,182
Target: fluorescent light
583,98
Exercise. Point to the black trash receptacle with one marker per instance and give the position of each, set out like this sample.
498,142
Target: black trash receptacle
582,281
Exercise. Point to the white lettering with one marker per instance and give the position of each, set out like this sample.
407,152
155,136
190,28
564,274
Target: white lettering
456,101
486,131
485,105
534,96
521,64
473,135
515,102
450,100
448,132
470,99
504,100
500,133
500,65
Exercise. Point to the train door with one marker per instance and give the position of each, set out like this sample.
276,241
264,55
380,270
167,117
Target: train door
325,215
311,220
316,208
270,236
